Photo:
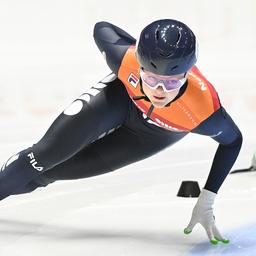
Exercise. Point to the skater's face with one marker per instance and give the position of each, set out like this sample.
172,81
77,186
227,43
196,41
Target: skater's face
161,89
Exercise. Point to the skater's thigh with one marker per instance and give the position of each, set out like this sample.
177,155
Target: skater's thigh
103,108
118,149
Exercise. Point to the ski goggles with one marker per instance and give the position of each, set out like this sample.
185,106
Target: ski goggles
169,83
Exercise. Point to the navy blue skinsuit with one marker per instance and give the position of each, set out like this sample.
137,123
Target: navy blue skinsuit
108,132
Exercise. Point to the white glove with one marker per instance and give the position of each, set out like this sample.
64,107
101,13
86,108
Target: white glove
203,214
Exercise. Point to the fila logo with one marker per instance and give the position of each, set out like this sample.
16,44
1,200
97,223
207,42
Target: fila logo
133,80
33,162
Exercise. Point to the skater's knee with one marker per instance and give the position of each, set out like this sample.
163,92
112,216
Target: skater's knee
42,181
38,182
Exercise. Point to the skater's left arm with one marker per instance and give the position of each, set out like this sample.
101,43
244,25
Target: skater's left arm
221,128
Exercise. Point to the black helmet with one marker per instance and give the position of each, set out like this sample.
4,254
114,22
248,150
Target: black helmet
167,47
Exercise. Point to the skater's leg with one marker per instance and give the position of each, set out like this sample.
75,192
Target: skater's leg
132,142
90,116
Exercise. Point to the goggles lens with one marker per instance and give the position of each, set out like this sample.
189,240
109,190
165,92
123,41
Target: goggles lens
169,83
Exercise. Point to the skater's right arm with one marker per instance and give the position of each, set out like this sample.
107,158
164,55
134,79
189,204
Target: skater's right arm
113,43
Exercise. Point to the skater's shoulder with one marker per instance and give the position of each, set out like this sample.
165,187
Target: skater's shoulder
113,42
196,77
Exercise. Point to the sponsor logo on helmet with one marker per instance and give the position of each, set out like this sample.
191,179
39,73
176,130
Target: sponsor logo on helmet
133,80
